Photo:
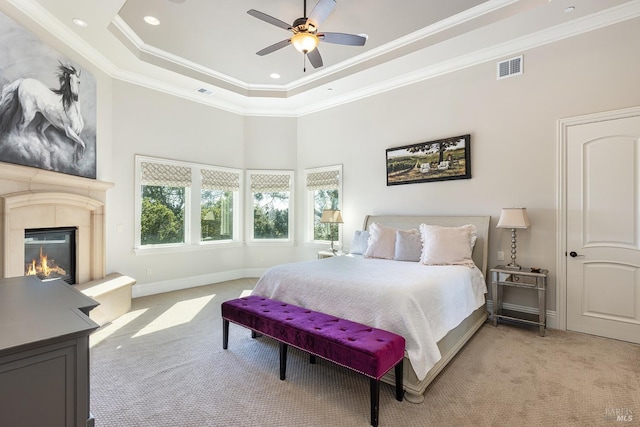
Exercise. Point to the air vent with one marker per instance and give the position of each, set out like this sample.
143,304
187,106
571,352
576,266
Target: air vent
510,67
204,91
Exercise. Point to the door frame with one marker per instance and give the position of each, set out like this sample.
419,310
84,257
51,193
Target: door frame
561,219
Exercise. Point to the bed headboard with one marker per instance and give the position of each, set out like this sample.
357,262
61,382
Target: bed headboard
481,248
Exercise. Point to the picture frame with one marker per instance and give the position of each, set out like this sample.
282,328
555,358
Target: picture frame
47,118
440,160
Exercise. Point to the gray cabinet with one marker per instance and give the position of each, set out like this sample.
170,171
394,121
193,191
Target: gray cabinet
44,353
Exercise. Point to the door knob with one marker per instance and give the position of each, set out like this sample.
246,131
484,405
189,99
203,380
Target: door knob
574,254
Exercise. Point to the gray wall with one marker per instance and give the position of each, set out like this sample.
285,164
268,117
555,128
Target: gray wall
512,123
155,124
513,138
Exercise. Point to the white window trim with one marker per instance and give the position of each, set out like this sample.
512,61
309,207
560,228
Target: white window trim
251,241
237,208
192,208
309,208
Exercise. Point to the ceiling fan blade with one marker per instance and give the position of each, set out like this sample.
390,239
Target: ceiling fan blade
321,11
342,38
315,58
273,47
269,19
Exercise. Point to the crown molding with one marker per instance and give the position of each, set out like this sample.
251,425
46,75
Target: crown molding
277,106
554,34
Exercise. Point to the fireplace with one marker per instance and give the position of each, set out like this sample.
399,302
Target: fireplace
50,253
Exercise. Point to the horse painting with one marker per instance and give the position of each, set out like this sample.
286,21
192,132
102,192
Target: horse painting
28,102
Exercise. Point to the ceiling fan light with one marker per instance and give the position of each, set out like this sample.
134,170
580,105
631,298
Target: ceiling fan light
304,42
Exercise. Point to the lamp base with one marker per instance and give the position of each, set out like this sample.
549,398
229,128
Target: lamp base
510,266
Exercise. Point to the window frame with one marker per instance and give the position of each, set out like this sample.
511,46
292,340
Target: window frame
310,206
236,207
251,240
193,205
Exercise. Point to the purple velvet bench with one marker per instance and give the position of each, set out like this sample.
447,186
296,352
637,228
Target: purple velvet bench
364,349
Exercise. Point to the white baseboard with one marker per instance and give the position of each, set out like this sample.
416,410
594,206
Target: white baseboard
145,289
551,315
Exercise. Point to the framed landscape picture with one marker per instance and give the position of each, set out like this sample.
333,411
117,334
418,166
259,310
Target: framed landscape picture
440,160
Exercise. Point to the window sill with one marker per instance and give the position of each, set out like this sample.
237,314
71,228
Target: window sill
185,248
267,242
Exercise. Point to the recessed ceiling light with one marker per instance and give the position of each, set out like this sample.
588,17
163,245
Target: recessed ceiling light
151,20
569,9
274,75
79,22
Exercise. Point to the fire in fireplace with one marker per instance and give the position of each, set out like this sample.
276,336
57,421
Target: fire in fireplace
50,253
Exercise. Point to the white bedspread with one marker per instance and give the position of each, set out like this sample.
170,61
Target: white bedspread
421,303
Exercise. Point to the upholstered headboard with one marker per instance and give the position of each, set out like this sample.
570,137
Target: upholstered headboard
480,250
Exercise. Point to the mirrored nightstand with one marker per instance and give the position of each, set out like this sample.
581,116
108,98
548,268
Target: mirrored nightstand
526,278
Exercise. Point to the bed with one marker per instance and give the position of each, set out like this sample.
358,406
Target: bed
407,298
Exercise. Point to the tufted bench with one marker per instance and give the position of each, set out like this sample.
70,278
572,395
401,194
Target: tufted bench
369,351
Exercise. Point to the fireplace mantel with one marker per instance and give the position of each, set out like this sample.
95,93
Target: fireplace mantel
35,198
38,178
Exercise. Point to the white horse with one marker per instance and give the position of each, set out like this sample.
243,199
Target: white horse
59,107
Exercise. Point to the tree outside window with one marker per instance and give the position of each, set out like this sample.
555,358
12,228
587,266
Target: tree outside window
323,199
216,215
168,218
218,204
272,200
162,219
324,191
271,215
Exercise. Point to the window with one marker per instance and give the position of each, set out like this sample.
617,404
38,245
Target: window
324,191
219,201
271,196
165,198
166,214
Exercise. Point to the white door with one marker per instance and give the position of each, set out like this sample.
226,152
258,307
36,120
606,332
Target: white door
603,228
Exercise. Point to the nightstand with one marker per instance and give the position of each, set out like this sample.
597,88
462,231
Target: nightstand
525,278
329,254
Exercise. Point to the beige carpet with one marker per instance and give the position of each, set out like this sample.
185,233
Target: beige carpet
163,364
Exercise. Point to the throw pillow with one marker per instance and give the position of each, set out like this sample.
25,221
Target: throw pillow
408,245
447,245
382,242
360,242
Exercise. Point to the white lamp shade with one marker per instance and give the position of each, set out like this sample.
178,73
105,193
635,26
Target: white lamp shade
513,218
304,42
331,216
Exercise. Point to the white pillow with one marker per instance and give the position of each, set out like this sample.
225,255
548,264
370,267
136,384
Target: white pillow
447,245
382,242
408,245
360,242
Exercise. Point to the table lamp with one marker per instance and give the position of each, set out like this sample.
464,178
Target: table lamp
331,216
513,218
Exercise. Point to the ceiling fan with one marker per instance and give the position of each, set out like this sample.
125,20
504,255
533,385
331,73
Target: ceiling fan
305,32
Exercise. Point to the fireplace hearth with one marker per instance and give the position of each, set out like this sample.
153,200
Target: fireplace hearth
50,253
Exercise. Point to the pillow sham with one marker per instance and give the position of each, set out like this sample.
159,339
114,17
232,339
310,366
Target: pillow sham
360,242
447,245
408,245
382,242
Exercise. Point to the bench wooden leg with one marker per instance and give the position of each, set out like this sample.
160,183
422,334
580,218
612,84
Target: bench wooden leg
283,360
399,386
374,385
225,333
